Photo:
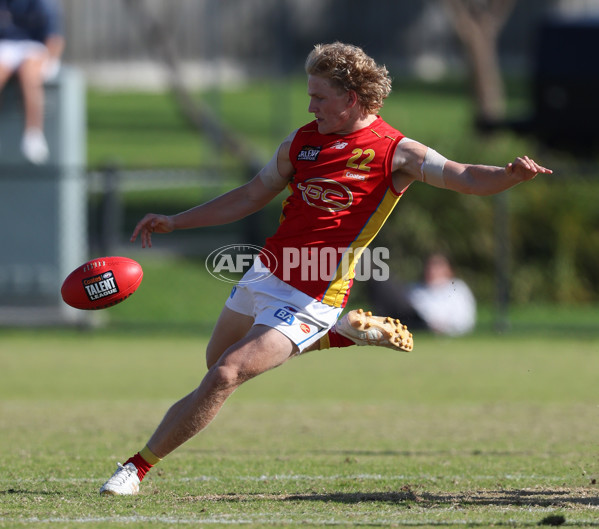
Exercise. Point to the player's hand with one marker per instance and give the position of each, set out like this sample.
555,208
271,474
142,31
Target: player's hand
152,223
524,168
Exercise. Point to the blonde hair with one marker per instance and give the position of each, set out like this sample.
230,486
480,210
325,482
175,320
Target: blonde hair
349,68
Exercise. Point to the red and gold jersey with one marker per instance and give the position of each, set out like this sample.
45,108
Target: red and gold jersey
340,196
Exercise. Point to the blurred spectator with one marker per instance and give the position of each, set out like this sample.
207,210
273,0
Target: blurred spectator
441,303
31,46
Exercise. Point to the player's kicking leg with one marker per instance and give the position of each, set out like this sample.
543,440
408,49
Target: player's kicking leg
354,328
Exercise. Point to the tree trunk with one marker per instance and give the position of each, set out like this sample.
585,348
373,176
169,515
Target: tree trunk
478,24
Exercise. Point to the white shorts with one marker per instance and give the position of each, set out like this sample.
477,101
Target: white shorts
276,304
14,52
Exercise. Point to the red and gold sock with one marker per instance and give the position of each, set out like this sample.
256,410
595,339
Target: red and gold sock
334,339
144,460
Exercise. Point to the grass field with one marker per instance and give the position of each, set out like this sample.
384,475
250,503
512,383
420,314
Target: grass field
481,431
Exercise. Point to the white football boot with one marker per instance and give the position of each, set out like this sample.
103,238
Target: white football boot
365,329
124,482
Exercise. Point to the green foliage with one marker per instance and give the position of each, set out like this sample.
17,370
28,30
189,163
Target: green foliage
555,235
553,238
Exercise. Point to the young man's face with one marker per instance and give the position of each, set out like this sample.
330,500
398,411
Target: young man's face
330,106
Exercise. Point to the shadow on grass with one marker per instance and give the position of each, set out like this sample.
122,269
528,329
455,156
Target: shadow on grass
538,497
7,492
515,497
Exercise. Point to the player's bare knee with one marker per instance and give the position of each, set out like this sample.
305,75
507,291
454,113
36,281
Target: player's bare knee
226,376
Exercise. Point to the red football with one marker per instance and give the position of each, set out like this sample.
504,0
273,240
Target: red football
101,283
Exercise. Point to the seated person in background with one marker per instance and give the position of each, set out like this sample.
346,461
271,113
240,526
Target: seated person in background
30,47
441,303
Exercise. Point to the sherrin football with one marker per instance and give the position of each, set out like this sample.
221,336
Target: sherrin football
101,283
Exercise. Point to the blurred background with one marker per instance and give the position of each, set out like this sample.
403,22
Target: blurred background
160,105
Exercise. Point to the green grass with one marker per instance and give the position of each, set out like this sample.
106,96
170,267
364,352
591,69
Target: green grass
148,130
479,431
139,130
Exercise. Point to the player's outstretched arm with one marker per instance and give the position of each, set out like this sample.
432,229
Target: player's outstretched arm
414,161
488,180
229,207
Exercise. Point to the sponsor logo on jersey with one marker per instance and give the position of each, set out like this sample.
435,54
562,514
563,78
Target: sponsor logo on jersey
327,194
355,176
309,153
100,286
339,145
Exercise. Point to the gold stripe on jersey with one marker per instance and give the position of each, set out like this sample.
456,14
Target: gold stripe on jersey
339,285
284,203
